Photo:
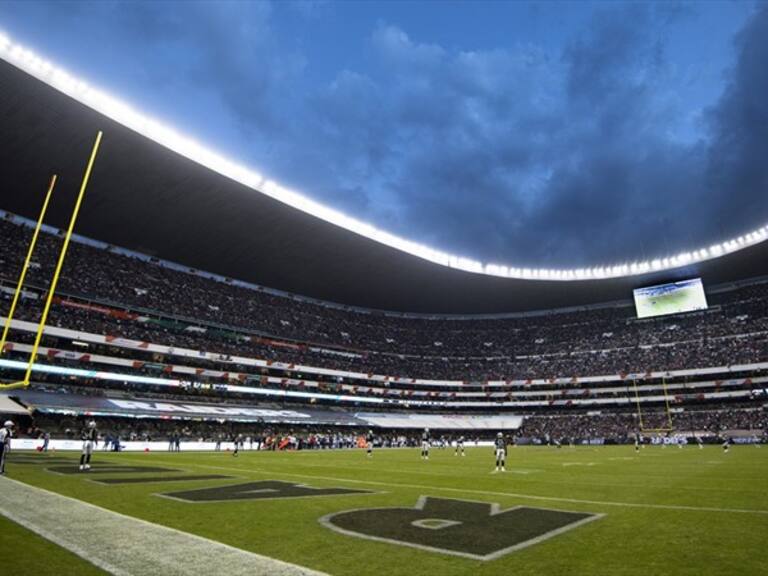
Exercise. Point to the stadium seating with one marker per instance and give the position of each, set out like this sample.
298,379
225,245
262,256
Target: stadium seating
160,329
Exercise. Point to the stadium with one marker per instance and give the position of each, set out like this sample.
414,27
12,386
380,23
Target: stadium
204,372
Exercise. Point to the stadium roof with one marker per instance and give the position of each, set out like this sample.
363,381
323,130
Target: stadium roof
150,199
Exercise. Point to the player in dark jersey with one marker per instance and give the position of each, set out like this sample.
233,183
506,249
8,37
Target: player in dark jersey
638,441
459,446
89,436
369,443
238,441
6,433
500,446
425,442
726,444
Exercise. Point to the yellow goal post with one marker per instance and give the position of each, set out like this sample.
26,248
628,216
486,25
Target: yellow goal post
59,264
667,411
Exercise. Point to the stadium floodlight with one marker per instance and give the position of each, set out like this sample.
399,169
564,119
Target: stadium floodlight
124,114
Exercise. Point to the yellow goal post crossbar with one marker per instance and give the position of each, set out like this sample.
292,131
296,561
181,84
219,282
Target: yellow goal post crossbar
59,264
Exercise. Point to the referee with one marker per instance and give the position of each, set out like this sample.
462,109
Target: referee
6,433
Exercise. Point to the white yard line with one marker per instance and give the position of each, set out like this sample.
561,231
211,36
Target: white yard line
126,546
243,471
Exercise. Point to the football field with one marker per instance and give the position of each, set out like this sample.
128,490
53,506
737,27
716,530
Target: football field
583,510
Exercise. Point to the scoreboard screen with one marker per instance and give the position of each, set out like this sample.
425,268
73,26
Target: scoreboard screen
673,298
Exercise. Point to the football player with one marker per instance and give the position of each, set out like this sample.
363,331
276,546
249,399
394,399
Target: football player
500,445
459,446
89,436
6,433
369,443
425,444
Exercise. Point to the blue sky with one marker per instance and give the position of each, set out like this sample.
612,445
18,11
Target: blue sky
550,134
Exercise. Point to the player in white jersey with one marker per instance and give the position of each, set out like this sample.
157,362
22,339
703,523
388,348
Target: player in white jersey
6,433
500,445
89,436
459,446
425,443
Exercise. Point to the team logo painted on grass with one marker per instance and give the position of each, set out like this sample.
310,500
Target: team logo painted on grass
477,530
265,490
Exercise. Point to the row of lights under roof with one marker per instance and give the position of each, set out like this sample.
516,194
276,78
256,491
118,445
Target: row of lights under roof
162,134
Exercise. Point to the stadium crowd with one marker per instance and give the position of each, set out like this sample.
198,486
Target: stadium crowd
104,291
623,426
593,341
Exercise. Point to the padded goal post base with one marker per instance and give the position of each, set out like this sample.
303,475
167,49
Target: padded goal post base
13,385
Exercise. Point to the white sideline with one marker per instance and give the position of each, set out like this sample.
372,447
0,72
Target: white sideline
126,546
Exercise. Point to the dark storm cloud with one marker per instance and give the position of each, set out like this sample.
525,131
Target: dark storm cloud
573,153
620,188
497,157
519,155
229,48
515,156
737,168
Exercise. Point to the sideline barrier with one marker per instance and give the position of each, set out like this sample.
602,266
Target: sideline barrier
154,446
157,446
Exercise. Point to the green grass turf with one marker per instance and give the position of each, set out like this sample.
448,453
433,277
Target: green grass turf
23,552
628,540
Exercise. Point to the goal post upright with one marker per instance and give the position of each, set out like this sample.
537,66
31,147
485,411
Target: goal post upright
666,402
25,267
667,410
59,265
637,403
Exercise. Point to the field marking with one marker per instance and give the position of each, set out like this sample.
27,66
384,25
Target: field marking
155,480
169,495
521,472
492,493
588,471
145,548
495,509
440,466
593,471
